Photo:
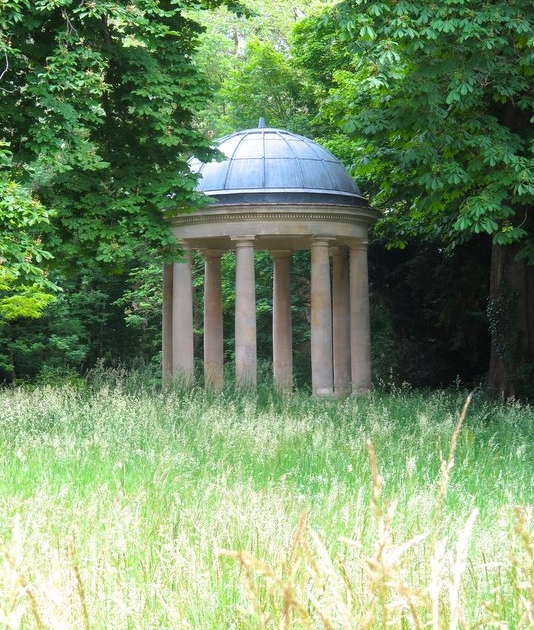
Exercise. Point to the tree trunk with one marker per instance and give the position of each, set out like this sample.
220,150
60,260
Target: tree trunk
511,321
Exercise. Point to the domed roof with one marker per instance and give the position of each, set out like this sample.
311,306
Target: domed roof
267,165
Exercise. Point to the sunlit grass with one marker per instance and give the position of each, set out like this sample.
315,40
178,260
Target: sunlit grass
122,507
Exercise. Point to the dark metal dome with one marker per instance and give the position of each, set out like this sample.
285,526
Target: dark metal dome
267,165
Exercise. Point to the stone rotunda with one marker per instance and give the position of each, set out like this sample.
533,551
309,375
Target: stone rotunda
279,192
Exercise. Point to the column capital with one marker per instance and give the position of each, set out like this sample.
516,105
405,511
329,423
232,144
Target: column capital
324,241
339,250
212,253
243,241
361,245
184,244
281,253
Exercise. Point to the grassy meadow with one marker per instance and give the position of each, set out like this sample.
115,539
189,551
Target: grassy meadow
126,507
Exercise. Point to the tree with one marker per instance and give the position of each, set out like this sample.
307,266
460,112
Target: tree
248,60
439,102
97,106
266,83
25,290
97,101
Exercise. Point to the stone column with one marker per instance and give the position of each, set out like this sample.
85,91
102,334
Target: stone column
213,321
282,333
360,329
245,314
166,326
341,320
182,321
321,320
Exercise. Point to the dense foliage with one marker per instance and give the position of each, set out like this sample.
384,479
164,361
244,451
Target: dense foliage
24,288
439,102
96,109
250,64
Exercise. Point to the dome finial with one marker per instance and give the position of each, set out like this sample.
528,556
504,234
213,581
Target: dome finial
262,124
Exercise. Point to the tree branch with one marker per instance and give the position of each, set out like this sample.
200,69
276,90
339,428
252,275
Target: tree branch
4,72
6,68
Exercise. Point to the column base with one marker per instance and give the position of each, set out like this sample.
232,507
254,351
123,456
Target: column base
183,378
323,392
358,390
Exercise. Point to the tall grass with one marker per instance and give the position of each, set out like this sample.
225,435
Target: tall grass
125,507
